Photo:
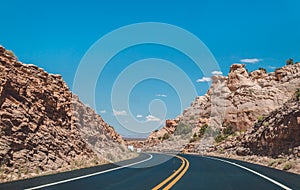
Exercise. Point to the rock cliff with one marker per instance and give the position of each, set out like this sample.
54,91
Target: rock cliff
44,127
273,140
239,99
278,134
251,116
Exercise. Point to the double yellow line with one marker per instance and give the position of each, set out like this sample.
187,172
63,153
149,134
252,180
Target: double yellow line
178,173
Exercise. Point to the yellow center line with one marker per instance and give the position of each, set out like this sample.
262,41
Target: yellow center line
171,176
179,176
185,163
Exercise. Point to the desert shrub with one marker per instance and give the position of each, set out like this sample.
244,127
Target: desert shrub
19,174
265,124
195,135
298,94
227,130
262,69
10,53
37,170
272,162
287,166
26,170
224,133
290,61
95,161
219,138
260,118
194,138
166,136
208,131
202,130
2,162
221,150
182,129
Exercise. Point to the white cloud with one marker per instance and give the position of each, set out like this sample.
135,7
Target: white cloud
152,118
161,95
271,67
217,73
252,60
120,112
139,116
102,111
204,79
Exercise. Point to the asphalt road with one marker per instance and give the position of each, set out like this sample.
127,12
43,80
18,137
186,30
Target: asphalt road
183,172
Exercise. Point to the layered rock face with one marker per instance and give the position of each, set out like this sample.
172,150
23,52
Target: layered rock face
169,128
276,135
44,127
250,116
273,141
240,98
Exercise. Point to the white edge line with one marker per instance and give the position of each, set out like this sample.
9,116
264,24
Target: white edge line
248,169
89,175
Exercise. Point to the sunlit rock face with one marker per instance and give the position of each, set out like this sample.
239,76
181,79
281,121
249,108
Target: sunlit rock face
239,99
43,126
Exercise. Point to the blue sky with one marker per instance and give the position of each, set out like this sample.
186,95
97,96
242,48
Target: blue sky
55,35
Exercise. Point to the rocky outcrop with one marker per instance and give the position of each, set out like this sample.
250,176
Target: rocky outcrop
250,116
43,126
276,135
238,77
273,141
169,128
241,98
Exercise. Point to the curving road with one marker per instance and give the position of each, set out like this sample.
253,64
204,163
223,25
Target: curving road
161,171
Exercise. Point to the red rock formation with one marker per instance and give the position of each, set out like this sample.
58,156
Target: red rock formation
44,127
241,98
237,100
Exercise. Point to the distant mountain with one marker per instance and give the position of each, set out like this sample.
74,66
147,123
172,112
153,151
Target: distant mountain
44,127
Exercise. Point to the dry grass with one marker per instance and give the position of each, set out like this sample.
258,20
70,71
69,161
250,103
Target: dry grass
26,172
